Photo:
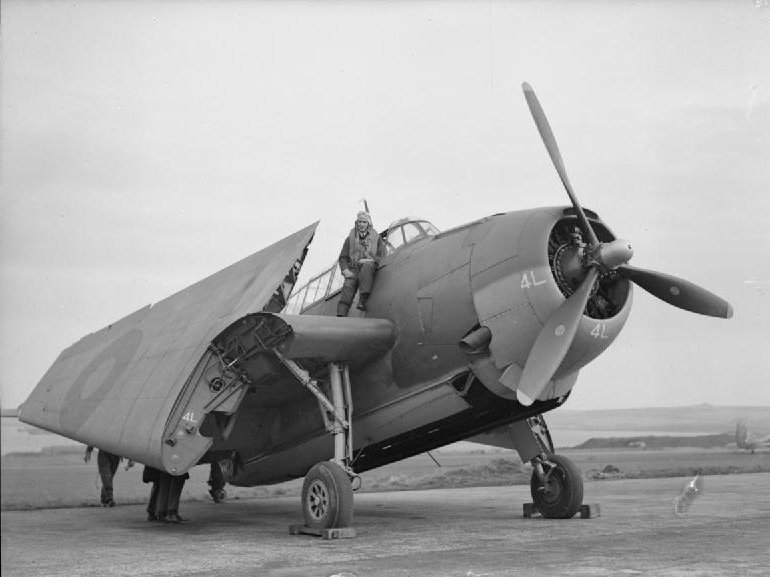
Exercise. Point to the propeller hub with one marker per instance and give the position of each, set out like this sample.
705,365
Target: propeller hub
613,254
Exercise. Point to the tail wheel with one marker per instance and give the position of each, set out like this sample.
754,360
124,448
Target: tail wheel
327,497
560,494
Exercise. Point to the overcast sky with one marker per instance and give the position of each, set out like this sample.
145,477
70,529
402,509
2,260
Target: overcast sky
146,145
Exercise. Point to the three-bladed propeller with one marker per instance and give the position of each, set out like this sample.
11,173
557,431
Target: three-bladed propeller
555,338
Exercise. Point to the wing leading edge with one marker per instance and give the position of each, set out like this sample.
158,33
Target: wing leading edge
116,388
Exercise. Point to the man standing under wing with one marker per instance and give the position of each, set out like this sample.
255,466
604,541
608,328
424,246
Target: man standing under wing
108,466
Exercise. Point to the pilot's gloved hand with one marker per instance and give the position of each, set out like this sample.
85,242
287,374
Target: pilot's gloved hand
347,273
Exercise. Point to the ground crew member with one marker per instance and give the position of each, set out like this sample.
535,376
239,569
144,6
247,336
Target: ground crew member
108,466
360,255
169,494
164,496
152,475
217,483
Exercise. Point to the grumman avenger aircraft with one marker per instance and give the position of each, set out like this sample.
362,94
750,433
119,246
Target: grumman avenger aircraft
474,331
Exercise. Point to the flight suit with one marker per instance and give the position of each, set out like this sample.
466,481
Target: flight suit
360,255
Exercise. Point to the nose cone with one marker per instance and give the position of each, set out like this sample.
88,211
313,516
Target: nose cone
615,253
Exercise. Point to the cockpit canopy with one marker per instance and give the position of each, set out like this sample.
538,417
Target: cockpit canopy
400,233
405,231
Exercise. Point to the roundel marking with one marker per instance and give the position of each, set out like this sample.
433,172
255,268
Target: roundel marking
75,412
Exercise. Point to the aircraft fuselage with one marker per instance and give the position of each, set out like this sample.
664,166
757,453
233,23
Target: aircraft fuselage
423,393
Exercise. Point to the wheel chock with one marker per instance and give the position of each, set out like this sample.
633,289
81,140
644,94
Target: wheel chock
333,533
529,510
588,511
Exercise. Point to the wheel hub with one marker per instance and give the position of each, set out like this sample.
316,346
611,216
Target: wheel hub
318,500
553,486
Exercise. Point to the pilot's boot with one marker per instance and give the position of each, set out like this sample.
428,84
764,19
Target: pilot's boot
362,301
342,309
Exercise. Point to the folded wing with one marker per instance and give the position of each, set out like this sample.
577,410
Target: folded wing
117,388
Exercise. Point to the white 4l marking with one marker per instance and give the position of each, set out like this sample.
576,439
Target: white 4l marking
528,280
190,417
599,331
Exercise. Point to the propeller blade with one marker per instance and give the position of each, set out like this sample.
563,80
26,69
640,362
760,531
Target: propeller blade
678,292
553,342
553,151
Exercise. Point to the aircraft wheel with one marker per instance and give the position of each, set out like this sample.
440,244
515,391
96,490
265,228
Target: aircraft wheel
561,495
327,497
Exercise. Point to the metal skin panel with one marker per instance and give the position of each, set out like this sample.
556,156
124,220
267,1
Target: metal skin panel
116,388
498,267
593,337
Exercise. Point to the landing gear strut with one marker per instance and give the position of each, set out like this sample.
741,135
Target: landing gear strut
327,493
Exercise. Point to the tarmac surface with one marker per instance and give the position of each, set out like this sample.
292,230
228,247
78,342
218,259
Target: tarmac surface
448,532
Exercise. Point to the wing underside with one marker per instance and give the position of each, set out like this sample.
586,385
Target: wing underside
253,391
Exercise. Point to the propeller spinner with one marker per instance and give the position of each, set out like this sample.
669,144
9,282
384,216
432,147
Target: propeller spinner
602,258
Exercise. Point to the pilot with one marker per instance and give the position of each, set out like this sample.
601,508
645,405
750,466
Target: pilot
361,253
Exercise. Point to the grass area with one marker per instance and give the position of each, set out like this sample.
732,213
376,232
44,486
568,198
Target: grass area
60,479
510,471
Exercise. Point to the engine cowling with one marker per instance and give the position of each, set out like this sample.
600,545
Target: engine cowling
523,269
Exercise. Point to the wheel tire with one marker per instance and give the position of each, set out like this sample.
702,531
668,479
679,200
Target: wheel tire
327,497
562,494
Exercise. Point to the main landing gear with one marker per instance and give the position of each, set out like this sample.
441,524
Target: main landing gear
556,487
327,497
557,483
327,493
